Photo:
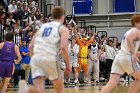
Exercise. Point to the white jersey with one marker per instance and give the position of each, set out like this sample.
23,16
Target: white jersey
48,40
110,52
94,52
73,53
124,45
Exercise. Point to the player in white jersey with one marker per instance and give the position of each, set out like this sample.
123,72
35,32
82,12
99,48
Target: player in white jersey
44,49
73,50
93,61
127,59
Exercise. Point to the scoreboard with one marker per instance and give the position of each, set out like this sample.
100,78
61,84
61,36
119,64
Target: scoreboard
82,6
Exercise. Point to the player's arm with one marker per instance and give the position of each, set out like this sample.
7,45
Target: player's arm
78,39
31,46
64,33
90,41
25,54
1,45
17,51
130,41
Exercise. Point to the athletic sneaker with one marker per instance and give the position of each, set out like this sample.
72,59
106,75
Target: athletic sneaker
102,79
67,81
76,81
23,87
97,81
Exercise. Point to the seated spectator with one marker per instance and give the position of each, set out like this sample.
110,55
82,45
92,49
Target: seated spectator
12,7
10,21
24,50
25,8
31,20
17,29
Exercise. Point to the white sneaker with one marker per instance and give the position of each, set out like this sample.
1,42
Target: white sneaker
23,87
101,78
76,81
96,81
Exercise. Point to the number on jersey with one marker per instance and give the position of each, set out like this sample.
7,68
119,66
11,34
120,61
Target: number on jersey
47,32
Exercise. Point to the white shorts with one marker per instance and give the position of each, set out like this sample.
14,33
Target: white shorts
74,64
123,63
41,66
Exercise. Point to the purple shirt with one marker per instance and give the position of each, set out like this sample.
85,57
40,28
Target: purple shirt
7,53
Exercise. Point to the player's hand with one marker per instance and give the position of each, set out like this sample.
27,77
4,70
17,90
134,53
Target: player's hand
15,61
135,59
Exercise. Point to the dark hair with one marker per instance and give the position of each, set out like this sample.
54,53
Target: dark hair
9,36
103,36
57,12
118,45
110,41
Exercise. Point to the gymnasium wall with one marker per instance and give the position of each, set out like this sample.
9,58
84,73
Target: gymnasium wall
103,17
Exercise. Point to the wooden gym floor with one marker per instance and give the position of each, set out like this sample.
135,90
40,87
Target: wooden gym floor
88,88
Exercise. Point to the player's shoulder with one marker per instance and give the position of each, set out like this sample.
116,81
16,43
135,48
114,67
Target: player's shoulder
63,28
132,32
134,29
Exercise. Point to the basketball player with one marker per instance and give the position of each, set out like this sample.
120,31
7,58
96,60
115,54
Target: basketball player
44,50
73,50
93,61
8,53
127,58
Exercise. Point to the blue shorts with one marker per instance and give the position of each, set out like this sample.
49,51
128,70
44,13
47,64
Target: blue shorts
6,69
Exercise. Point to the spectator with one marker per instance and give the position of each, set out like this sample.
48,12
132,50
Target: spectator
33,3
93,61
103,39
2,9
31,19
110,55
73,50
25,8
18,32
12,8
102,63
17,28
10,21
45,20
83,54
24,50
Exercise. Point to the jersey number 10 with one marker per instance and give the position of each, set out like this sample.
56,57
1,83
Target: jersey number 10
47,32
